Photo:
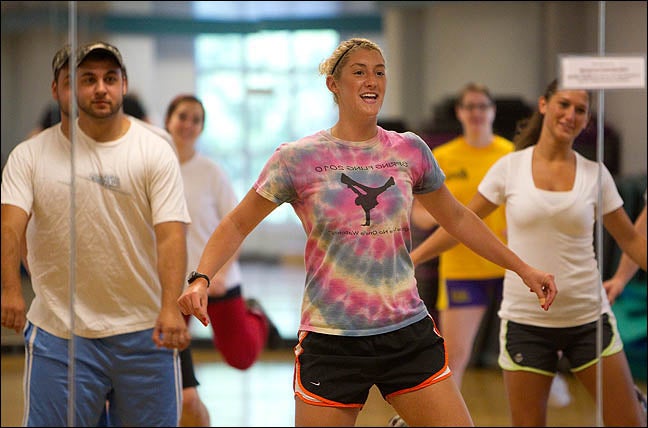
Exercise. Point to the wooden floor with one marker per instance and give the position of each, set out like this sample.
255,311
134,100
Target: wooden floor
262,395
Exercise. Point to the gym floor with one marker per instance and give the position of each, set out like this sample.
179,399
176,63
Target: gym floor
262,395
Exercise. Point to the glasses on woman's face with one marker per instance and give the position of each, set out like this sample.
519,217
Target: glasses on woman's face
479,107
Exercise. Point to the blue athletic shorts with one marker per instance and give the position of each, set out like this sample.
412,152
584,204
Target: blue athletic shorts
339,371
141,381
535,349
473,292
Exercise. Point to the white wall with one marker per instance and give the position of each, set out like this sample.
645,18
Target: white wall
26,82
626,109
139,56
174,58
495,44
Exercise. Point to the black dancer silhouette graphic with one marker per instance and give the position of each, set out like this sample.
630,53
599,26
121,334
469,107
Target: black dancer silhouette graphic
369,199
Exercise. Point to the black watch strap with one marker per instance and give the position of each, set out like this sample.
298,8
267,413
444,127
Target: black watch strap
195,275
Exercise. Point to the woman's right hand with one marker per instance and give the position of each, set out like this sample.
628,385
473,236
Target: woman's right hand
193,301
542,284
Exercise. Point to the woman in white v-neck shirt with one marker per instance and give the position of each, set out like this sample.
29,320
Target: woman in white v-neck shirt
550,193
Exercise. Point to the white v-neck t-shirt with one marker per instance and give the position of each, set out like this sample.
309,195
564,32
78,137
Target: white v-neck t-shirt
554,232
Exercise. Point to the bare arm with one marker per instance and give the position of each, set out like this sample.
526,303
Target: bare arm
170,328
627,266
23,250
421,217
464,225
217,284
221,247
441,240
14,223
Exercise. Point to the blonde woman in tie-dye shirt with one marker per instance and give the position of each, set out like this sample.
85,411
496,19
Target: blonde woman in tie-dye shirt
363,322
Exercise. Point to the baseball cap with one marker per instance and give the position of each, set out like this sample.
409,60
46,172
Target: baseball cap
60,59
85,50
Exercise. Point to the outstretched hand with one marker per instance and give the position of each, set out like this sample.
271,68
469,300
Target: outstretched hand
193,301
543,285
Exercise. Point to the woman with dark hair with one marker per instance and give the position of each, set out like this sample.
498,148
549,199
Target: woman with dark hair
550,193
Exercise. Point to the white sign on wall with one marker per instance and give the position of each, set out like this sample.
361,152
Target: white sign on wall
602,72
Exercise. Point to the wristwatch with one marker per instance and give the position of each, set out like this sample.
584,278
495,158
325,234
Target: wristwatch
195,275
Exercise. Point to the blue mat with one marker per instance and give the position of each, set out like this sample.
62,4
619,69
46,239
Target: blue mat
630,310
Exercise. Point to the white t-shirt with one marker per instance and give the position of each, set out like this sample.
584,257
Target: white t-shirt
554,232
123,188
209,198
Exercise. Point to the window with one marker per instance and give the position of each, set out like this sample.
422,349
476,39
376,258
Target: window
260,90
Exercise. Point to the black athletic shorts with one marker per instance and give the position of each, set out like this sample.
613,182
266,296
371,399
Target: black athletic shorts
536,349
339,371
188,373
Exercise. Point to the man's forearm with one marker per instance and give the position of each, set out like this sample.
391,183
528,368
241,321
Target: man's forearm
10,259
172,262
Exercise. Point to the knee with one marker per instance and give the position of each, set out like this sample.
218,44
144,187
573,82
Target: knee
244,353
190,398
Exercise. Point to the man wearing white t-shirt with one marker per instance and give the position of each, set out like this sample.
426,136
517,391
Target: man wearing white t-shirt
129,259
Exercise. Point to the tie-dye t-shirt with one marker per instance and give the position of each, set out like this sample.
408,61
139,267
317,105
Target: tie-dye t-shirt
354,201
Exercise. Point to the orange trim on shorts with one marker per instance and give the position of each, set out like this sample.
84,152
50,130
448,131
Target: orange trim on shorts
436,330
442,374
305,395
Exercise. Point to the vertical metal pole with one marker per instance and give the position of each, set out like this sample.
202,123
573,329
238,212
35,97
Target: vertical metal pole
72,35
599,223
